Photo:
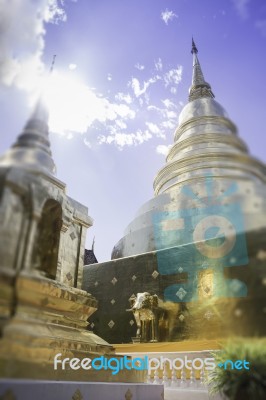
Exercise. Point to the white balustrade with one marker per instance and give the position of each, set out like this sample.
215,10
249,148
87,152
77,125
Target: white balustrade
172,373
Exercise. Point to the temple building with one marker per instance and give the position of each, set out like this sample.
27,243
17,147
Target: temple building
43,309
200,243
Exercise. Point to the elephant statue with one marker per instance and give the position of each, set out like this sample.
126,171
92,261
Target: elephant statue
155,318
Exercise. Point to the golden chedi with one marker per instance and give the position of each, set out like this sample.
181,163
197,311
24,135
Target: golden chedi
200,242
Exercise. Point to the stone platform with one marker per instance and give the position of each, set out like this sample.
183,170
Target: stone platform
42,390
183,384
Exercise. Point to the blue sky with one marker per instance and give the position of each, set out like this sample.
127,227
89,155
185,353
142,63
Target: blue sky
121,77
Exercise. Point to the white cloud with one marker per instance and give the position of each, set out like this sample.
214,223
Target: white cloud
77,108
135,85
140,67
121,124
87,143
126,139
169,125
110,111
173,76
154,108
158,65
242,8
124,97
69,136
163,149
164,112
147,98
168,103
22,39
72,67
167,16
153,128
74,107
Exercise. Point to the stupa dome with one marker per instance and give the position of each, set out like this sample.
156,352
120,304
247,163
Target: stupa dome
202,107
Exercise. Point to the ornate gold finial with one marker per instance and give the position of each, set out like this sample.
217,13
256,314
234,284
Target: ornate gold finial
199,88
52,65
194,49
77,395
128,395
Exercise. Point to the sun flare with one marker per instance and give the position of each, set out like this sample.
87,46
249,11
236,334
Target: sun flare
72,105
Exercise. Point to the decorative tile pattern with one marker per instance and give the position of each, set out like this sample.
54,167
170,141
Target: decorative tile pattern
181,293
238,312
128,395
235,286
111,324
69,276
114,280
155,274
208,314
73,235
207,289
77,395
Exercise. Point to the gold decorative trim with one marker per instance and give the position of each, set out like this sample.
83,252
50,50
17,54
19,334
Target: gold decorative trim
128,395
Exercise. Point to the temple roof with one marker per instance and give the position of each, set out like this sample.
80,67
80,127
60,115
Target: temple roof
89,257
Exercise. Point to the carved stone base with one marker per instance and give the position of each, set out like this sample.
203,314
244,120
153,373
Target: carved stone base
25,390
51,318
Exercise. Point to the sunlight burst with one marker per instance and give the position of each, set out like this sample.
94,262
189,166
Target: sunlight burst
72,105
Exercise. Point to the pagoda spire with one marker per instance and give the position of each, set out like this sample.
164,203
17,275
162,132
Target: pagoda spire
199,88
32,147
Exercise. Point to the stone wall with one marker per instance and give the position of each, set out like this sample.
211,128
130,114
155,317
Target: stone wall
206,317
